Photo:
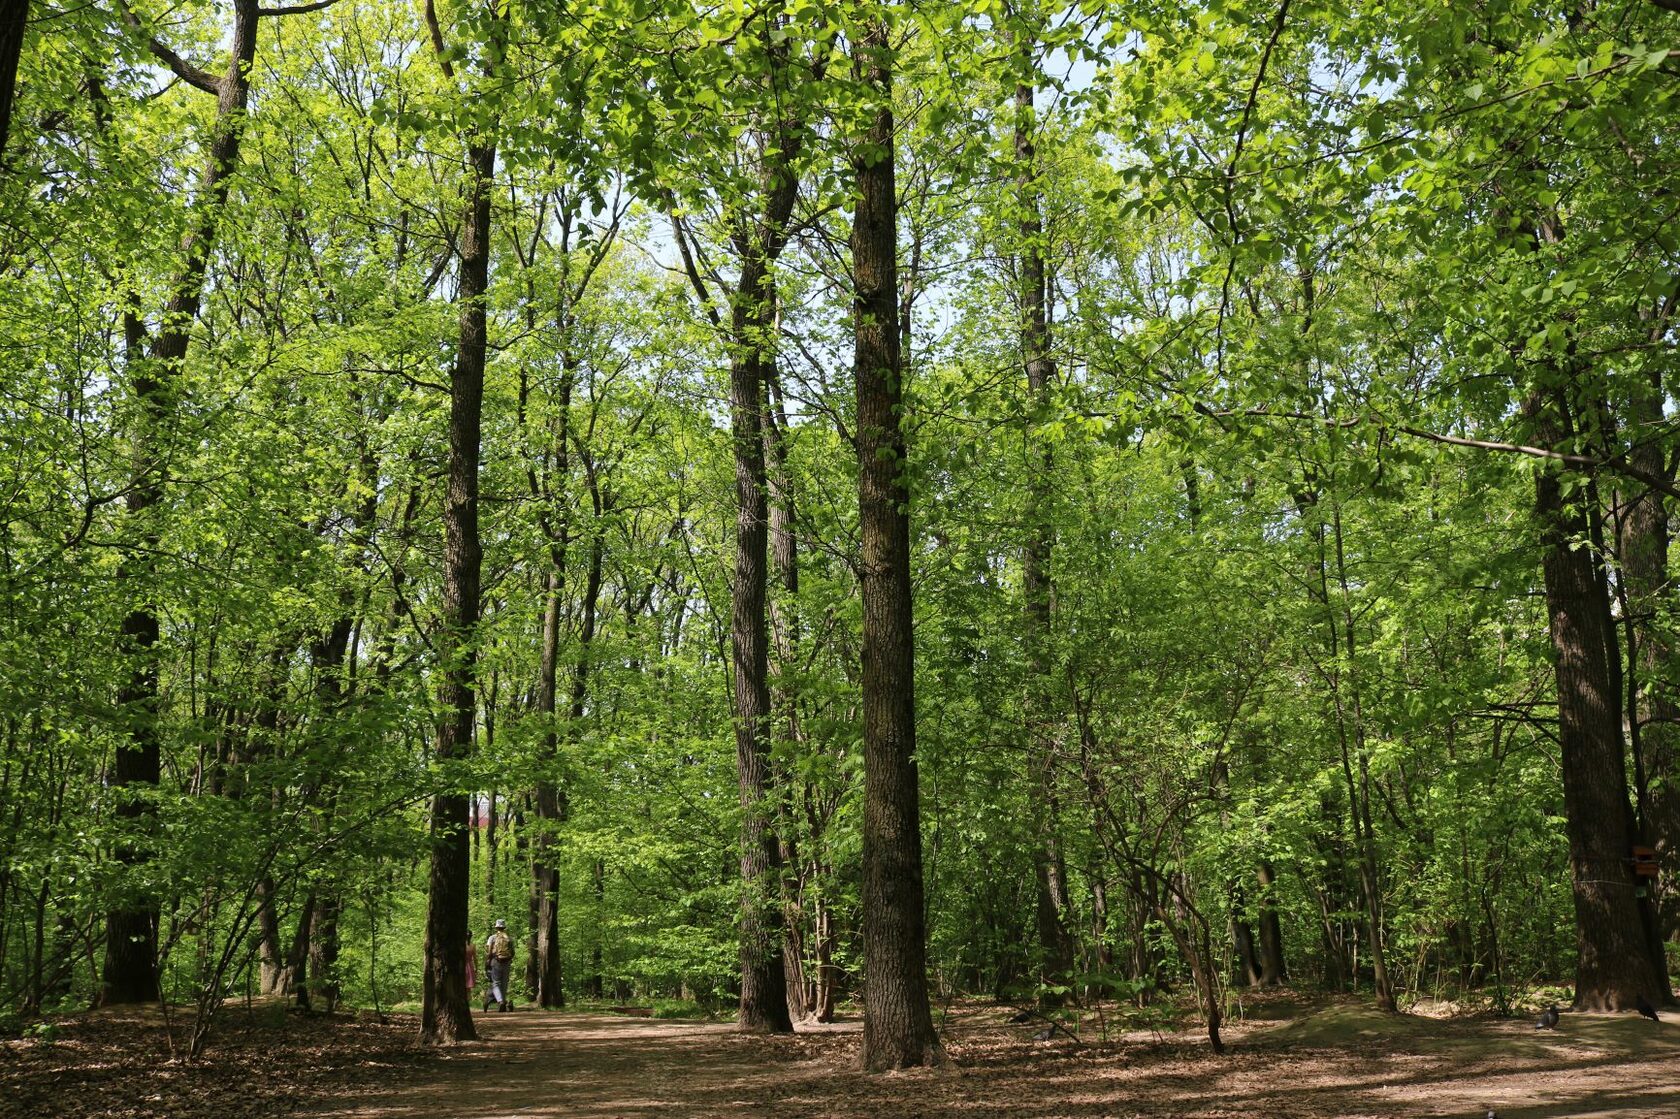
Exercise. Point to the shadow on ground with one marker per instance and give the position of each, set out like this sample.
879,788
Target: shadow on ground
1341,1060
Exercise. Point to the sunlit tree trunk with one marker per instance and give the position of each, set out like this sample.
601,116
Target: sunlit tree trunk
898,1023
445,1014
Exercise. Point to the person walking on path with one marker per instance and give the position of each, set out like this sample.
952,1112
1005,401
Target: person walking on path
472,966
498,955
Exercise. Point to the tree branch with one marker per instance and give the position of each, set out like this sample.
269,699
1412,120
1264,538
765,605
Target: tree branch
186,71
430,12
296,9
1615,464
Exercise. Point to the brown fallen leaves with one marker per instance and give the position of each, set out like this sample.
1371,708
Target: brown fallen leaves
261,1063
1305,1059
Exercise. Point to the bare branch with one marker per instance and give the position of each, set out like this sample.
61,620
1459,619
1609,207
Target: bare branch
1615,464
296,9
691,270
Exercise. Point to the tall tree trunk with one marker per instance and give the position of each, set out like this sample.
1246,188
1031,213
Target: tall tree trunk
594,985
763,1006
757,243
130,969
545,979
1049,876
898,1023
1613,965
784,699
1342,672
1272,970
444,1009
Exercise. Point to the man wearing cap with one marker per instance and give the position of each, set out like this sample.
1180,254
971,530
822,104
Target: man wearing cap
498,952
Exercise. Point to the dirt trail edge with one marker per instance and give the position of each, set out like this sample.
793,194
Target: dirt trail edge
582,1066
586,1066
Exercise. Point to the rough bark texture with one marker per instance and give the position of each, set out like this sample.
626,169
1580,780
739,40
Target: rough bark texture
898,1024
757,244
1613,966
445,1014
763,1005
130,968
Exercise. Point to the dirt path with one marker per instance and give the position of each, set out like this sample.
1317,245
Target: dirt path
534,1066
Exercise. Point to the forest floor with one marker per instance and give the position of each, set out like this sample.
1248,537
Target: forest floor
1312,1060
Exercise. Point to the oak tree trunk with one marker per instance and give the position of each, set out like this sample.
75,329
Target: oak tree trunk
763,1005
445,1014
1613,966
898,1023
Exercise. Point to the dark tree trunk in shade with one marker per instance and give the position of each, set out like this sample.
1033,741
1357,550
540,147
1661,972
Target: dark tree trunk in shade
757,243
444,1007
594,984
1055,942
14,17
130,969
898,1023
1272,969
323,986
784,702
763,1005
1246,965
1613,964
1654,713
314,970
544,979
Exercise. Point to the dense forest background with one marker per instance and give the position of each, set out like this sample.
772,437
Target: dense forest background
501,459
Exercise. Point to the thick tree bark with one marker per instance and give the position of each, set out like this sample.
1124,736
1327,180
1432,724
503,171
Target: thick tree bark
130,969
444,1009
898,1023
757,244
14,17
763,1005
1613,964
